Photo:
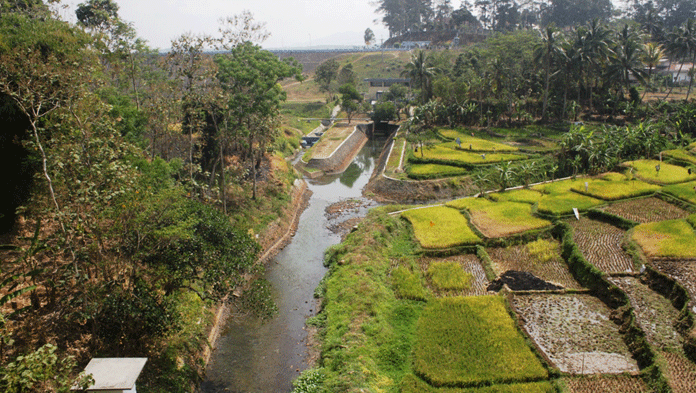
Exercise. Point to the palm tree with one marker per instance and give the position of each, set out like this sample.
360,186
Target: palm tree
681,44
420,72
652,54
543,53
626,60
596,42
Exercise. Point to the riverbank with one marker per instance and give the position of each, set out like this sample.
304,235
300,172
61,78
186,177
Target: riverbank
278,235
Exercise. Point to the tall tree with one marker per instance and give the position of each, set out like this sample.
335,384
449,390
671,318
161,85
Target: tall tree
681,45
652,54
566,13
546,50
350,99
420,72
249,78
369,36
626,59
326,73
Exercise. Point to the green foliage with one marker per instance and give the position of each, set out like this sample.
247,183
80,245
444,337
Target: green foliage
258,299
310,381
407,284
472,341
449,275
440,227
520,195
41,370
325,73
384,112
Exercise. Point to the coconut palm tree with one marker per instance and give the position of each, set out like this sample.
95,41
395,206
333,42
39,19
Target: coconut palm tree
420,72
626,60
545,51
596,43
652,54
681,45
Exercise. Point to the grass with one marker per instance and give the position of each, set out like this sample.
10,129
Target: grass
612,190
499,219
666,239
408,285
683,191
476,144
472,341
520,195
446,153
449,275
680,155
413,384
440,227
668,173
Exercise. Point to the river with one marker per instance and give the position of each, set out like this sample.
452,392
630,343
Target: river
255,356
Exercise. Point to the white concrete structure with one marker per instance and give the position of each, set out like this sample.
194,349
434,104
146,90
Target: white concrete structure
114,375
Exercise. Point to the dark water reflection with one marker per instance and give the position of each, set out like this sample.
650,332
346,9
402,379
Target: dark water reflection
255,356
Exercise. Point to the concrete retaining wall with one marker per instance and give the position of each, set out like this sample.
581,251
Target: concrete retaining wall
339,160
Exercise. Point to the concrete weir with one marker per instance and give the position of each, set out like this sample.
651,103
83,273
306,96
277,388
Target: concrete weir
343,155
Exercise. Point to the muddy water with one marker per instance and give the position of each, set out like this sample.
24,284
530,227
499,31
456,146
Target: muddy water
260,357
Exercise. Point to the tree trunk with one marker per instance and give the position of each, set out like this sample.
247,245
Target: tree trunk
546,88
674,82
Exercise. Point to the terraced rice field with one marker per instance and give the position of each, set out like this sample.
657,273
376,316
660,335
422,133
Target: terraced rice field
681,270
518,258
682,373
646,210
600,244
576,333
471,264
606,384
654,313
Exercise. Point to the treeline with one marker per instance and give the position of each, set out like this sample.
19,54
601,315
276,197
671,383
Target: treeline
124,164
403,17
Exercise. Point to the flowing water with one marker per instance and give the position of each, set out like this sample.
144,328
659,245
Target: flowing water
254,356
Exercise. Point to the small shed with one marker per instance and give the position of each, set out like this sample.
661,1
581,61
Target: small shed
114,375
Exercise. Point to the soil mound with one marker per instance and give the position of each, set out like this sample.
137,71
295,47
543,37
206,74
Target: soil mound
521,281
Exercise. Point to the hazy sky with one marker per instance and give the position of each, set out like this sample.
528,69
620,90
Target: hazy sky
291,23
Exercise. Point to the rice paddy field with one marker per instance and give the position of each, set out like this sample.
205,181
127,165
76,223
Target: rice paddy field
440,227
681,270
654,313
683,191
576,333
683,156
471,143
546,264
606,383
559,199
446,153
681,372
610,190
522,195
646,170
600,243
470,342
666,239
467,263
500,219
646,210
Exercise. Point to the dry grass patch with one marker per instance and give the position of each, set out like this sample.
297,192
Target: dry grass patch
500,219
666,239
668,173
440,227
576,333
646,210
601,244
542,260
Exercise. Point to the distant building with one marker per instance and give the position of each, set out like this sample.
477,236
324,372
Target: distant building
377,86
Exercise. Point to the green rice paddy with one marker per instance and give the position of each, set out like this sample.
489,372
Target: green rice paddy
668,174
440,227
666,239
